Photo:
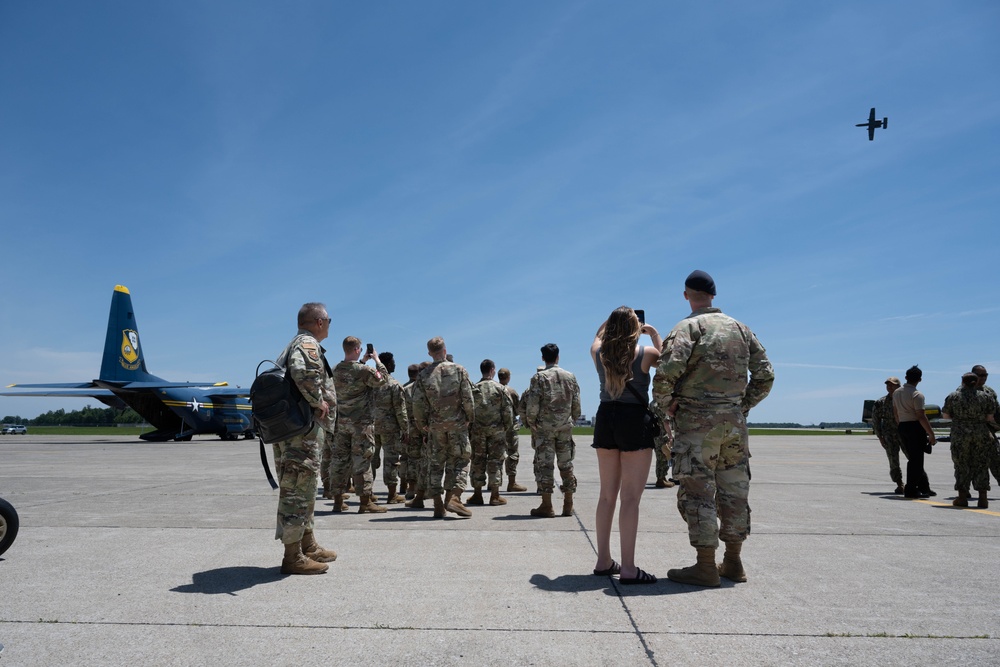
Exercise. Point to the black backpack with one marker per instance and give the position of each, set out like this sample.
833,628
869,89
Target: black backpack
279,410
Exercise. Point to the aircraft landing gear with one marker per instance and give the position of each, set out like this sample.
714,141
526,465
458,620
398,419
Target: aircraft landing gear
9,523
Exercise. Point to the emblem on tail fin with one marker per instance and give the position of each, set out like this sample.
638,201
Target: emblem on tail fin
130,350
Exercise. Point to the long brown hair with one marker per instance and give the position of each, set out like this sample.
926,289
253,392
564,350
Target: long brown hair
621,333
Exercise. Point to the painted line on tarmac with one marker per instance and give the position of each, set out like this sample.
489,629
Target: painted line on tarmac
964,509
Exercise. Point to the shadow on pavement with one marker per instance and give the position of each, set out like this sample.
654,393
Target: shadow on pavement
229,580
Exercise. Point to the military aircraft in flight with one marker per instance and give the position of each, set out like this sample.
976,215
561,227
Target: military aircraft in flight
178,410
873,124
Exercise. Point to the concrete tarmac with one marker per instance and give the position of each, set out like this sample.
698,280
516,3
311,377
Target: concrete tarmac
163,554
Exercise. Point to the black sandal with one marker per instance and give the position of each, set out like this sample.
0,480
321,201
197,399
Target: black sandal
607,572
641,577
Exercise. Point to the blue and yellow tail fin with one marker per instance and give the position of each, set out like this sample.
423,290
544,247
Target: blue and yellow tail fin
123,358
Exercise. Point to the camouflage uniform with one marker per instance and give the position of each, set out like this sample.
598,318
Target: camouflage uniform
972,440
443,409
297,460
661,446
494,420
416,455
884,426
704,368
354,440
552,404
513,456
994,465
391,423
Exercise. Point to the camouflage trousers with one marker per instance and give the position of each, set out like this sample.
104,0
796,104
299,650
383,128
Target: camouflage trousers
326,461
554,448
711,457
416,459
513,457
297,465
662,458
391,445
353,447
972,447
448,455
489,446
995,460
892,446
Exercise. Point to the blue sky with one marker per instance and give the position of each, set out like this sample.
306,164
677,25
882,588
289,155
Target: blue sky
503,175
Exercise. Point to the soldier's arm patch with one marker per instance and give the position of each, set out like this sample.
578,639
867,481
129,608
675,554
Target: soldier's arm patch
312,350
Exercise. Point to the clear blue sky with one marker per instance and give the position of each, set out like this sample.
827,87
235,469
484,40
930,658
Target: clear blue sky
504,175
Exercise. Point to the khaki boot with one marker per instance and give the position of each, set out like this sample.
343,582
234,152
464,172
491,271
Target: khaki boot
496,498
454,504
338,502
567,503
411,490
438,506
477,497
984,502
962,500
545,509
513,486
393,498
315,552
296,562
369,506
417,502
327,493
702,573
731,566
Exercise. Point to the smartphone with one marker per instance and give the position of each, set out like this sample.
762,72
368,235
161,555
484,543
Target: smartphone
371,348
641,314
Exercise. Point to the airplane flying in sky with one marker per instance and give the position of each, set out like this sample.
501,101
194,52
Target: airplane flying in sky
873,124
178,410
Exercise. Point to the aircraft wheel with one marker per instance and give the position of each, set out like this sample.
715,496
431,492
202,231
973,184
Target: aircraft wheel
186,438
9,523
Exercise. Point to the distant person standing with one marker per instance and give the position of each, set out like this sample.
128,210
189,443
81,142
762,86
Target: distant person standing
354,441
443,409
297,460
981,376
971,412
513,455
701,383
915,433
884,426
391,425
552,405
494,419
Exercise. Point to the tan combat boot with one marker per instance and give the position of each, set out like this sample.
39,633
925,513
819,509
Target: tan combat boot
393,498
369,506
417,502
567,503
454,504
703,573
731,566
984,502
962,500
411,490
513,486
338,502
296,562
477,497
438,506
496,498
314,551
545,509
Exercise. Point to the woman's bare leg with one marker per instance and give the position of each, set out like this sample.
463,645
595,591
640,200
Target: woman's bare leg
610,469
634,473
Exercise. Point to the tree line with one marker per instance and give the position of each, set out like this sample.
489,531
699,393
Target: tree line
88,416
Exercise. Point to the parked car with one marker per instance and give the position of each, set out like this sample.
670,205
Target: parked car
15,429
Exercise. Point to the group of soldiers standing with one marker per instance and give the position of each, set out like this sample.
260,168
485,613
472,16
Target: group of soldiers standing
426,435
975,452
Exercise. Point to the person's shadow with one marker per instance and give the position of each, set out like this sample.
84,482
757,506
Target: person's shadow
229,580
581,583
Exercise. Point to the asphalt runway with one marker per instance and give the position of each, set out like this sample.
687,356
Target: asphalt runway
163,554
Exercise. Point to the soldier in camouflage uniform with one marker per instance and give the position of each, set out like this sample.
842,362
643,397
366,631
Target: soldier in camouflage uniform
354,440
971,411
701,384
494,420
981,375
661,451
414,459
552,404
513,456
297,460
443,410
884,427
391,425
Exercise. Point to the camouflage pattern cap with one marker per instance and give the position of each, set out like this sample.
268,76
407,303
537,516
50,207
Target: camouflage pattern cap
701,282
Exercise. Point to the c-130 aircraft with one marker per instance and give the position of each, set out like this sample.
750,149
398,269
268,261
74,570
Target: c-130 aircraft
178,410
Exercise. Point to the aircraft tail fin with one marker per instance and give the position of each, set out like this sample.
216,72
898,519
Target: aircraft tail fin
123,359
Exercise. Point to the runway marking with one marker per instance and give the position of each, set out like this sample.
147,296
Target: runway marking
964,509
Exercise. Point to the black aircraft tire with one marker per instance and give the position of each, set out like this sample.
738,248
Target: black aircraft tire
9,523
